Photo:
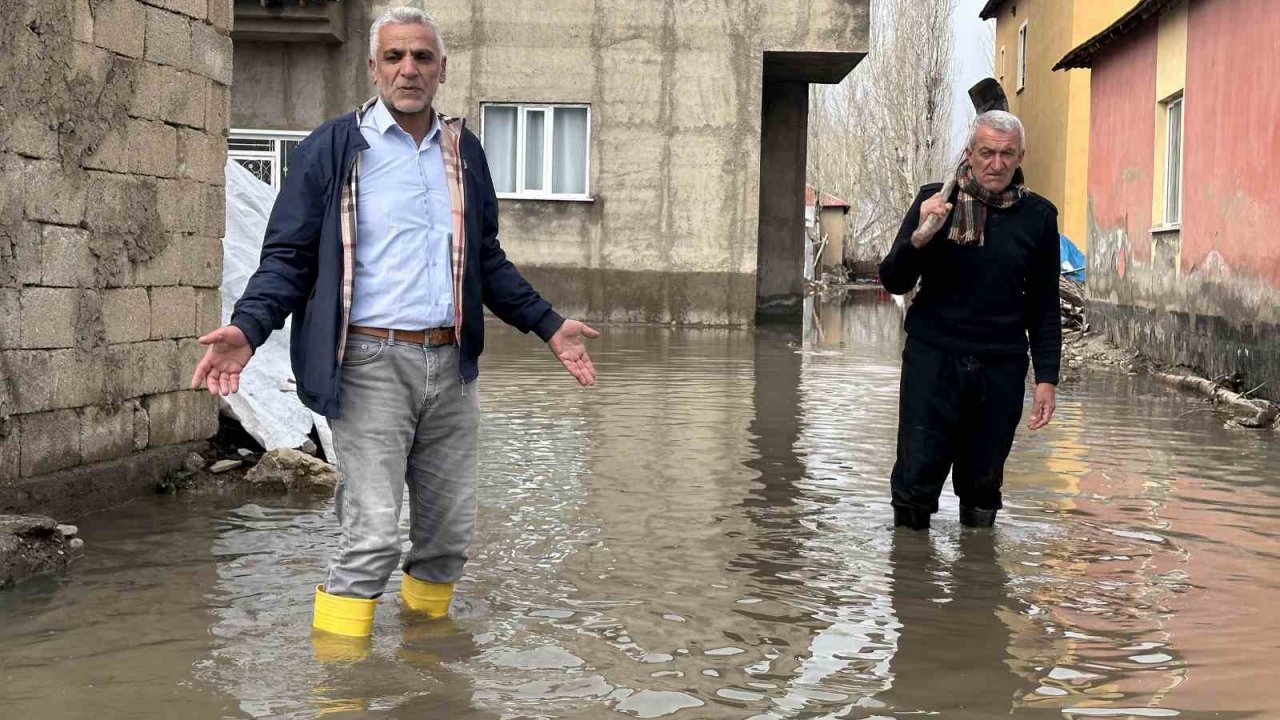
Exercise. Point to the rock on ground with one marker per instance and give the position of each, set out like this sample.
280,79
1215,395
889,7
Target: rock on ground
224,466
292,470
33,544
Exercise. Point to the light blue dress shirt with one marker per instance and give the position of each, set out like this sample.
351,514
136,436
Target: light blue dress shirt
403,275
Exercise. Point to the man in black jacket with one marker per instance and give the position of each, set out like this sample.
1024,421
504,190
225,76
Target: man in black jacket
988,280
383,246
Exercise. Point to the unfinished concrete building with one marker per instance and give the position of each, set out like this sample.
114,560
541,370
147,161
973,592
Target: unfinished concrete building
649,156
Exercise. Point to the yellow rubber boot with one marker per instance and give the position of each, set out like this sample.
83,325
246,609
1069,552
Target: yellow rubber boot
351,617
431,599
341,627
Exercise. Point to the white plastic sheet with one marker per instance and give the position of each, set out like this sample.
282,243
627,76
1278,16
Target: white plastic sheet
267,405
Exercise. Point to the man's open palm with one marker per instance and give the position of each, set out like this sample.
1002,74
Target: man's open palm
570,348
227,354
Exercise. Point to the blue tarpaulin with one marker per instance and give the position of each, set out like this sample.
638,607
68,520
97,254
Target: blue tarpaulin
1073,261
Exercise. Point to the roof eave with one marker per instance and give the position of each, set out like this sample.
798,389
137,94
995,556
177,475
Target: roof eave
1083,55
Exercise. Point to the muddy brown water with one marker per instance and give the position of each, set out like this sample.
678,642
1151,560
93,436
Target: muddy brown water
706,535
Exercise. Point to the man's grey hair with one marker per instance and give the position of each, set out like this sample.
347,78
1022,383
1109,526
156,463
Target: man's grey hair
403,16
1000,121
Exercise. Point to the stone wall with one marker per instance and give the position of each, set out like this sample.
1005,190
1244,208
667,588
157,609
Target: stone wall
113,117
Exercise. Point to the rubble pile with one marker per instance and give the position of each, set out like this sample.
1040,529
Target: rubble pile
33,545
1071,303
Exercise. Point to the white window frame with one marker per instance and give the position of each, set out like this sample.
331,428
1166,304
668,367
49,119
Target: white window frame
522,111
1172,177
1022,56
275,154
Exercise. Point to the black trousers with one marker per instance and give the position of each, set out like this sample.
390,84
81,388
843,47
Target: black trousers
956,413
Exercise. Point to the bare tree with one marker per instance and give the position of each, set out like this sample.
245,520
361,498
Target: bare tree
882,133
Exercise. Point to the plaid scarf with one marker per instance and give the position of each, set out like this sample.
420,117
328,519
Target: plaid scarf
972,200
451,152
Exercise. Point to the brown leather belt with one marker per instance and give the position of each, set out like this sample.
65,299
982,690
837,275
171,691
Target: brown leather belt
430,337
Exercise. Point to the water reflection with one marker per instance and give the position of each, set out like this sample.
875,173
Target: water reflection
707,534
121,632
950,603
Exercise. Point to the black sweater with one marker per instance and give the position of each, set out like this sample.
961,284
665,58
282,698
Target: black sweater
997,299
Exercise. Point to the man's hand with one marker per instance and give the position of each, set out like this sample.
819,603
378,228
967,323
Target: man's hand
933,212
568,347
219,369
1042,406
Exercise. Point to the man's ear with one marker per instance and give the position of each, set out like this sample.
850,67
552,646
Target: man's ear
373,65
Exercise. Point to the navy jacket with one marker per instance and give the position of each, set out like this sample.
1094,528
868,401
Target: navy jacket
301,272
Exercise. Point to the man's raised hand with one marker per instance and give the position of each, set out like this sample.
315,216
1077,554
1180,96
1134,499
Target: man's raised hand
570,349
226,355
933,213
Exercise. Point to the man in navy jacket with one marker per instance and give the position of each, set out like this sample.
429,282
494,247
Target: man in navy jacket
383,246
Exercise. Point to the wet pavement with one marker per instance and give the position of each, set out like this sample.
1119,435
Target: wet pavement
706,534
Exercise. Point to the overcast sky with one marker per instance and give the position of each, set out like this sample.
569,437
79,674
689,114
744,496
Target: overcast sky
973,57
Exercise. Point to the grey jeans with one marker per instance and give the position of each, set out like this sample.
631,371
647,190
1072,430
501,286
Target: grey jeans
406,417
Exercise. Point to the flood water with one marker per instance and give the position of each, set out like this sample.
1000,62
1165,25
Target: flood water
706,534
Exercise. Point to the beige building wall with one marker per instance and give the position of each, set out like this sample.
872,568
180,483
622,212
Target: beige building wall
675,96
113,117
1053,106
832,222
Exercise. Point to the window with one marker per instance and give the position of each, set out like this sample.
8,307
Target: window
265,153
1173,162
537,151
1022,56
1001,78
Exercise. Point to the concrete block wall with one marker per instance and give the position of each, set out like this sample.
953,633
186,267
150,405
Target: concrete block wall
113,120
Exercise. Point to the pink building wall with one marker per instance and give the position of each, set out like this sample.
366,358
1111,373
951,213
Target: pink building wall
1121,138
1207,295
1231,181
